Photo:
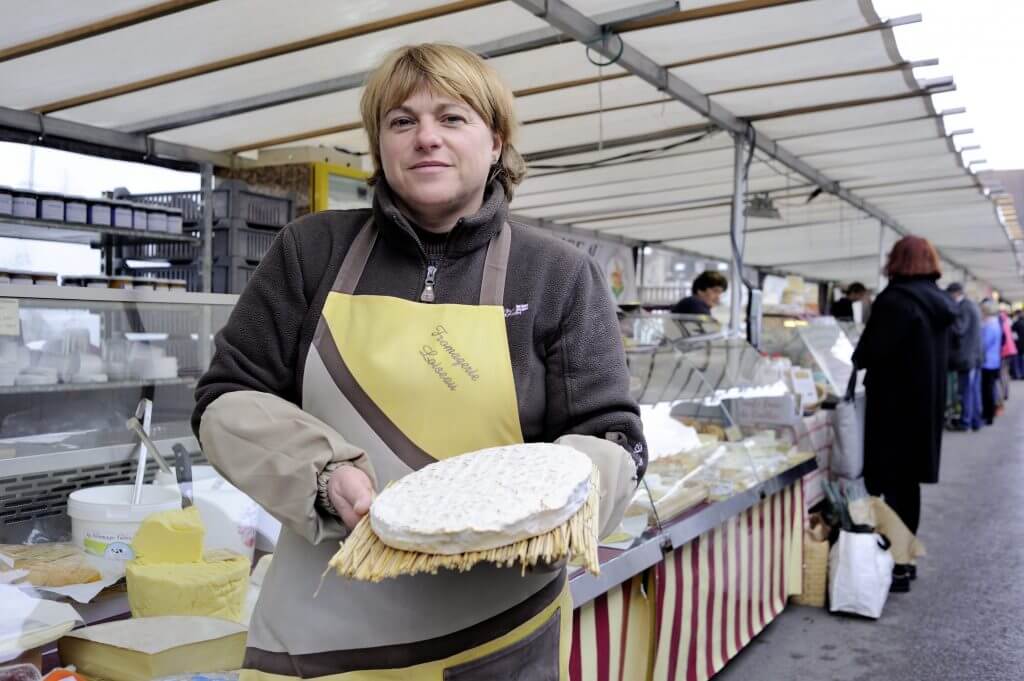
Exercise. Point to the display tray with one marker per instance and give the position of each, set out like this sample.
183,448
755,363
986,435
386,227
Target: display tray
80,233
618,565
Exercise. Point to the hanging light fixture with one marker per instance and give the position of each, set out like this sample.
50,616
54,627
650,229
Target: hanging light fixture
762,206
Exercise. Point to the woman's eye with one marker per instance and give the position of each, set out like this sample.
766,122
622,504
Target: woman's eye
400,122
454,118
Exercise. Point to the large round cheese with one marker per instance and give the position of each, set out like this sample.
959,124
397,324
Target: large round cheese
483,500
213,587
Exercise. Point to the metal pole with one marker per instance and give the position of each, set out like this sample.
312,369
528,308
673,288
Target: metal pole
641,272
882,279
737,227
207,191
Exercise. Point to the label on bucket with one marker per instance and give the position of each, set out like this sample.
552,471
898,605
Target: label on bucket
112,547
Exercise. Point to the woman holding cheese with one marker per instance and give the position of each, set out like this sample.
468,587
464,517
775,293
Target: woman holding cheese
370,343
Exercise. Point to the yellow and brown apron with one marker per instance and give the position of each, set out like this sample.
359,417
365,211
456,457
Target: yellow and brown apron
410,383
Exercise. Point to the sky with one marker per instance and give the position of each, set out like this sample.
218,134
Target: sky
978,42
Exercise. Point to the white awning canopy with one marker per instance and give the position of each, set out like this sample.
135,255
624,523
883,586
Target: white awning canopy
821,81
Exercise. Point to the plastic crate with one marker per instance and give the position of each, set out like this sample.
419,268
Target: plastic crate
230,275
231,239
163,250
231,199
187,272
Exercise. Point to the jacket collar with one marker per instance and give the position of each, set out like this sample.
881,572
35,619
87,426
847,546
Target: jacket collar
470,233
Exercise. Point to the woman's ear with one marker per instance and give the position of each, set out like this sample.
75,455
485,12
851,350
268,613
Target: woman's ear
496,147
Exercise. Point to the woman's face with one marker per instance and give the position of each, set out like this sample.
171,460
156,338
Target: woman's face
436,153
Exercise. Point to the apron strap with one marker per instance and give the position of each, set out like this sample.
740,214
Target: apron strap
492,286
355,260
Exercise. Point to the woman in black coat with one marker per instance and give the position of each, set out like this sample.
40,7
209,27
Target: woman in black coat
905,349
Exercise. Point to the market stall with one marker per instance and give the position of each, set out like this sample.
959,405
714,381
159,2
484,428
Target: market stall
646,126
720,514
729,537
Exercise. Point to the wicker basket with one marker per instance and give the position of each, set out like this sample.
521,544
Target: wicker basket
815,575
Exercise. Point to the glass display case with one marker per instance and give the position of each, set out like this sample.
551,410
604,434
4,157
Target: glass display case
820,344
690,380
74,363
853,330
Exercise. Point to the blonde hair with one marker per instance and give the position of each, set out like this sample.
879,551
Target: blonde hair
446,70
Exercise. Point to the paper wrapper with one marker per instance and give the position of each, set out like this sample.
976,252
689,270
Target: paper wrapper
27,622
872,511
111,572
906,548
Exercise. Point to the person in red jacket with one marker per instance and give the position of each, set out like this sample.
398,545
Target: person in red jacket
1018,337
1006,353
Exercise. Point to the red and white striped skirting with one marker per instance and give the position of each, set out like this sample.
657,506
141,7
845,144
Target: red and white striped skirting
611,635
687,616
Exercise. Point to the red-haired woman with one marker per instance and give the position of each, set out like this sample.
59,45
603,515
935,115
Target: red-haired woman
904,349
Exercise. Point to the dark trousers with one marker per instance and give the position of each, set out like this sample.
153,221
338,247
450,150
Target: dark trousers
969,383
1017,365
989,385
902,496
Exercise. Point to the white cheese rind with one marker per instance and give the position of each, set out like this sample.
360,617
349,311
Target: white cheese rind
483,500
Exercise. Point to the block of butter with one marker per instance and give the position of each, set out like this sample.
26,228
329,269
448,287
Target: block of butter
154,647
172,576
214,586
170,537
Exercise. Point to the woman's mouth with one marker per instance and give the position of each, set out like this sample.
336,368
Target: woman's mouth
429,166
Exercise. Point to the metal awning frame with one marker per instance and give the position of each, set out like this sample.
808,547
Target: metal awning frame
613,46
600,34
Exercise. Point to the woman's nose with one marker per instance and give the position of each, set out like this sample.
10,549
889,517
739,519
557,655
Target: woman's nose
427,134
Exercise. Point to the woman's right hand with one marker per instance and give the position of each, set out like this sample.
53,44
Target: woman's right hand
351,492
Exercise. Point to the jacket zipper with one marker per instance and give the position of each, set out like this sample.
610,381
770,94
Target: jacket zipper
430,278
428,285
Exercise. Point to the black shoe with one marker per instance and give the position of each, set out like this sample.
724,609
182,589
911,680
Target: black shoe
900,580
956,427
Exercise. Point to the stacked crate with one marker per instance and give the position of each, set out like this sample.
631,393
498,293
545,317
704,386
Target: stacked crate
245,223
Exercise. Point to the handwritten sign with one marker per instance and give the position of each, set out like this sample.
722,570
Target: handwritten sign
780,411
9,323
802,381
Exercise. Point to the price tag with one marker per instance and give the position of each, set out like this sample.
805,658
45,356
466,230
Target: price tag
9,324
803,385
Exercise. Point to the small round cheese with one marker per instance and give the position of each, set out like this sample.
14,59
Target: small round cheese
483,500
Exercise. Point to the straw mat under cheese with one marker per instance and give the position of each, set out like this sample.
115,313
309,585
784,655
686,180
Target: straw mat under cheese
540,520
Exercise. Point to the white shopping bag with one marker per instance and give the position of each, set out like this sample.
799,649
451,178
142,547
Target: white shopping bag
860,574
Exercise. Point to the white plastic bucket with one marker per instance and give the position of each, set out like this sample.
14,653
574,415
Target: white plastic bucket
228,514
104,521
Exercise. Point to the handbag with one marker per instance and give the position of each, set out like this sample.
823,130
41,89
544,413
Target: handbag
848,450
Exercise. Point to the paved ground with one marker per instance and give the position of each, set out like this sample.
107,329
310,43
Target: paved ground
964,617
